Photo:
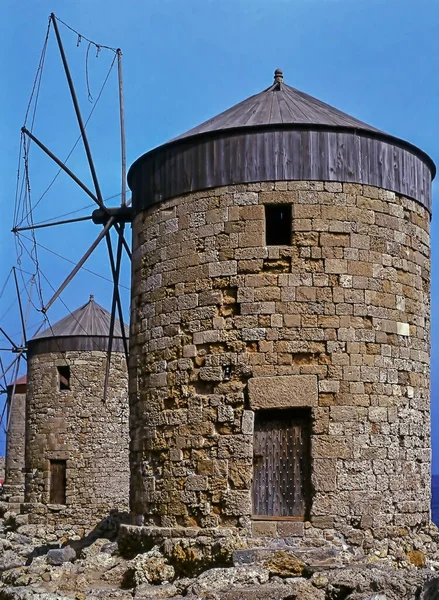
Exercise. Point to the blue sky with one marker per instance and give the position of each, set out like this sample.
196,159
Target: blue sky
183,62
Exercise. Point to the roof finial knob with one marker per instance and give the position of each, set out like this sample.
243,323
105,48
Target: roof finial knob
278,76
92,298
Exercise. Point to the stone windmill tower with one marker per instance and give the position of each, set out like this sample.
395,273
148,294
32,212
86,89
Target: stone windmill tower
13,488
281,324
77,467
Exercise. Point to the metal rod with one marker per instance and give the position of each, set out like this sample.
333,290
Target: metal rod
17,229
63,167
69,278
127,248
2,368
113,313
78,112
113,271
3,414
122,126
12,396
11,365
14,345
118,266
20,307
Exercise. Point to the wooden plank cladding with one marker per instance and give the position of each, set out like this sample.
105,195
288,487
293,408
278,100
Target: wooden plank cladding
74,342
281,481
288,154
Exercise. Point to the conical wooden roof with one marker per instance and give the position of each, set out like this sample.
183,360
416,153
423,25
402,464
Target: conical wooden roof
279,104
90,320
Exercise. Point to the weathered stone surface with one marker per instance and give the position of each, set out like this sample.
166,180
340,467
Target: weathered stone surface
28,593
10,559
147,591
219,579
150,567
58,556
285,391
284,564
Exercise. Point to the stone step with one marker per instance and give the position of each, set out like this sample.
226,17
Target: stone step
312,557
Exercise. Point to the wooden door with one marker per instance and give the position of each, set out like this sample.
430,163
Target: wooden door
281,465
57,482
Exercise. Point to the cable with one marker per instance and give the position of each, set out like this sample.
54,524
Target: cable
72,262
74,145
6,283
87,82
13,303
81,37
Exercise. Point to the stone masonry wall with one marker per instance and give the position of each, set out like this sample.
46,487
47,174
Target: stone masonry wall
78,426
347,306
14,460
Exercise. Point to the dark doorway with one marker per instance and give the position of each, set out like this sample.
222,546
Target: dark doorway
58,482
281,463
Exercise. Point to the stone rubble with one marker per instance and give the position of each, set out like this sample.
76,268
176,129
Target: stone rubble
217,567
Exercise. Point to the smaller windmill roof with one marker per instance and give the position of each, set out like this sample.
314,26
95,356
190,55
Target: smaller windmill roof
90,320
20,381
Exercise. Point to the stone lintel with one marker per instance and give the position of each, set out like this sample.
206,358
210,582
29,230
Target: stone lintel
284,391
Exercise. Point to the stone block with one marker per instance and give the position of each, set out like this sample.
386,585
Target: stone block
277,197
253,334
290,528
284,391
403,329
323,522
377,414
262,529
245,198
211,374
331,446
196,483
236,503
235,446
225,414
189,351
336,266
248,422
222,269
328,385
324,475
240,473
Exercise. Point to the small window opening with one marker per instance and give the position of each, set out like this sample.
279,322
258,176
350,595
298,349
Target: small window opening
63,378
58,481
278,224
281,464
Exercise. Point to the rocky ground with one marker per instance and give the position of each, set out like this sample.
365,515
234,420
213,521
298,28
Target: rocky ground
98,568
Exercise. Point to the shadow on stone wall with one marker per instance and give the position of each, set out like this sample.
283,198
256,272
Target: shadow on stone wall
107,528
